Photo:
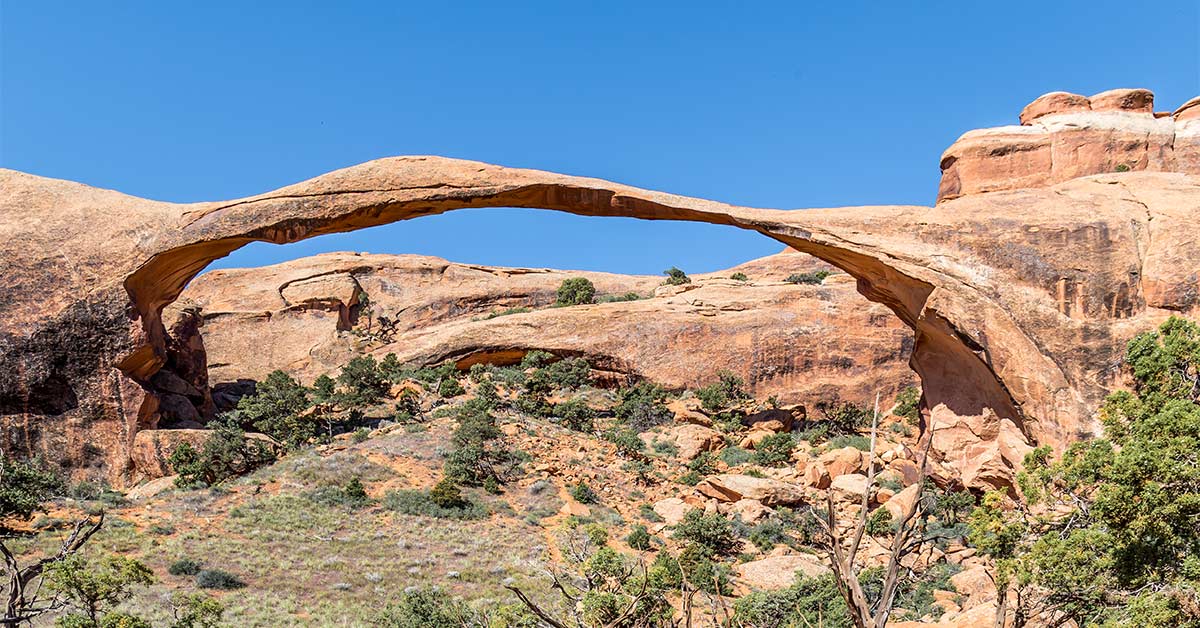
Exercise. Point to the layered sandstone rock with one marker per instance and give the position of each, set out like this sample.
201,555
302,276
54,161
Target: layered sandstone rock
796,342
1020,300
1063,136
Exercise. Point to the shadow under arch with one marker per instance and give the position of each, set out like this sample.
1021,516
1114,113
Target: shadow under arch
957,373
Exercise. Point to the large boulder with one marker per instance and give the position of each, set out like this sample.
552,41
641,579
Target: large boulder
729,487
692,440
779,571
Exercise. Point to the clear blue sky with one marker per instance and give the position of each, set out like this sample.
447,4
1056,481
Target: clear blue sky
790,104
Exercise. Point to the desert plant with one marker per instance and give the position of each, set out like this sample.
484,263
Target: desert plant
575,291
739,277
774,450
361,382
275,410
676,277
576,415
218,579
642,406
184,567
583,493
814,277
225,454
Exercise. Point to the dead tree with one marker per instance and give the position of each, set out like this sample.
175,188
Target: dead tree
841,552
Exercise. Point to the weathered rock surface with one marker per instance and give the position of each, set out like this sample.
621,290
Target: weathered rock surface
791,341
779,572
1064,136
1020,300
732,487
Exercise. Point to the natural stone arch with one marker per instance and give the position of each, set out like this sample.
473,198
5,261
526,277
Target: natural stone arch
1019,300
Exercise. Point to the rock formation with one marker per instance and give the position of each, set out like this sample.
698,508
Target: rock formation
1020,299
796,342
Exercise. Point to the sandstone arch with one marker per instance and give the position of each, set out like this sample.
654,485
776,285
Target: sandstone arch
1020,300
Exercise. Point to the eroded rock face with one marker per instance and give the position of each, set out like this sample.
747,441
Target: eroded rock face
1020,300
796,342
1063,136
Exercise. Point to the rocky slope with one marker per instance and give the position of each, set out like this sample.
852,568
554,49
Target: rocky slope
1019,299
307,317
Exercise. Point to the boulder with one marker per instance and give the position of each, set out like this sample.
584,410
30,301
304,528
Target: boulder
901,501
975,585
672,510
748,510
1133,100
691,439
849,487
816,475
728,487
779,572
152,488
1052,103
842,461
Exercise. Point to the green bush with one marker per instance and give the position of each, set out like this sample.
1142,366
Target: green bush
774,450
569,373
218,579
575,291
274,409
767,534
844,417
413,502
808,602
353,495
676,277
426,608
583,493
739,277
642,406
628,443
184,567
639,538
728,389
880,522
536,359
361,382
225,454
24,485
814,277
908,404
391,369
861,443
576,415
507,312
666,448
619,298
324,389
714,533
450,387
734,456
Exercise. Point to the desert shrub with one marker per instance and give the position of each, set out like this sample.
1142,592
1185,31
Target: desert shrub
639,538
701,571
450,387
225,454
814,277
917,596
274,409
1122,168
536,359
646,511
361,435
689,478
879,522
627,442
734,456
569,373
184,567
24,485
361,382
391,369
618,298
728,389
196,610
414,502
583,493
844,417
676,277
815,435
703,463
908,405
861,443
767,534
576,415
774,450
739,277
714,533
808,602
642,471
353,495
426,608
218,579
324,389
642,406
666,448
575,291
93,587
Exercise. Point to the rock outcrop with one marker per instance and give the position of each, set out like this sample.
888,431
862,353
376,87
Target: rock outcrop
791,341
1020,300
1063,136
